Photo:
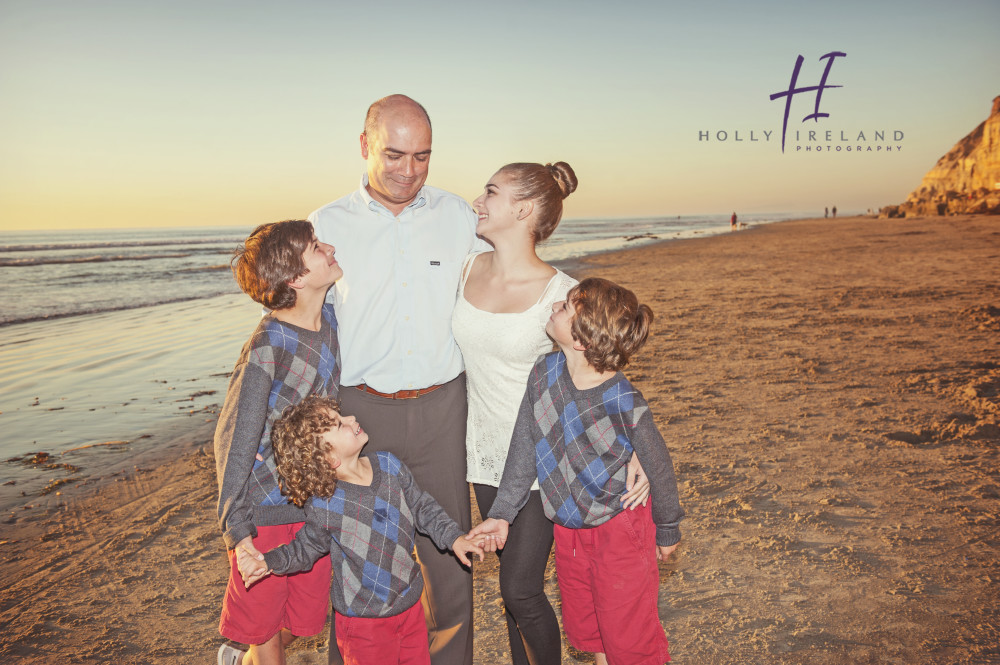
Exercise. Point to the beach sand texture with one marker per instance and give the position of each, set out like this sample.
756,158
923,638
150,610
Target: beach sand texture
829,393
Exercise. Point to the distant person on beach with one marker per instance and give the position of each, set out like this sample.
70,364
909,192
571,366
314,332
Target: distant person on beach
365,511
293,353
732,222
835,212
579,423
504,301
403,244
826,212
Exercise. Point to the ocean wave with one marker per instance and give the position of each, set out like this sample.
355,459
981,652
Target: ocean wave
112,244
110,308
46,260
221,267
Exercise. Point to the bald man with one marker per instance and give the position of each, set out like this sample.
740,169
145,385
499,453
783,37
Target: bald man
401,244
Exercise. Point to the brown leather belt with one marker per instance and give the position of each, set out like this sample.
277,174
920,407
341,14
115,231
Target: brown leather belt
400,394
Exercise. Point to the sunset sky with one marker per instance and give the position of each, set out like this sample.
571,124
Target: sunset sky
121,113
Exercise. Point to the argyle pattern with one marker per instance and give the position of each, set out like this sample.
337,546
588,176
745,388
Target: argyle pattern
583,446
369,532
300,363
580,443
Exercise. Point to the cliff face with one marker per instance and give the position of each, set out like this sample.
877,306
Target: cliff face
965,180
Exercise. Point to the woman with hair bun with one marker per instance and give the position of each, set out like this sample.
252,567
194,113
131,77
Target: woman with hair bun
504,302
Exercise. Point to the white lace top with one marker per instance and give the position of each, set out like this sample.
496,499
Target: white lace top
499,351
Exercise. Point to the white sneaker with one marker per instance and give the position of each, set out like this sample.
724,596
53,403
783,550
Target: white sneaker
230,655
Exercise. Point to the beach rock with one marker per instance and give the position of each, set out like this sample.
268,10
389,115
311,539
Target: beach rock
890,212
965,180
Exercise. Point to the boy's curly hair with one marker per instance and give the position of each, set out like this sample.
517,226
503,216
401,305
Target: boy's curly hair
609,321
300,452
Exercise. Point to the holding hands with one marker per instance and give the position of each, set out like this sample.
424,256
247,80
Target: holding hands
492,534
464,545
250,562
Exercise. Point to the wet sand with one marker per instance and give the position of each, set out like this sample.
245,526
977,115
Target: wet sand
829,390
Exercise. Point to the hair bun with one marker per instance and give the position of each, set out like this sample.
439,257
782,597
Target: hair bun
564,176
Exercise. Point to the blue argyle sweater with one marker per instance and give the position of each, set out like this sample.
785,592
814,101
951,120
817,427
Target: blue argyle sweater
578,443
369,533
279,365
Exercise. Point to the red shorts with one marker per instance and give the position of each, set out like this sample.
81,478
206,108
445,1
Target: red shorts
609,583
297,602
395,640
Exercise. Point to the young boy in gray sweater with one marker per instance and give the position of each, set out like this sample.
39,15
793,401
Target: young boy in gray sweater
579,424
364,511
293,353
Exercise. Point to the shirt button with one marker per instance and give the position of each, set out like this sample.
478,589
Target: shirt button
406,318
409,353
404,284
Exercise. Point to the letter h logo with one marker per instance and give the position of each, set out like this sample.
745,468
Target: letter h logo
792,91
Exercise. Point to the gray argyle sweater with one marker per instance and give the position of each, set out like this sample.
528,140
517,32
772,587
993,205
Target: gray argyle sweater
279,365
578,443
369,532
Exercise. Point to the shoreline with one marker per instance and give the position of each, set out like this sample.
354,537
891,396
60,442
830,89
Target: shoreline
72,442
829,393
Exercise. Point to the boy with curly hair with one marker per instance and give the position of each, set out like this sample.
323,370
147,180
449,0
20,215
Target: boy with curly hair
579,424
294,352
364,510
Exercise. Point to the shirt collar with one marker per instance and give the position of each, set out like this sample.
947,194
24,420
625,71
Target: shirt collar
419,202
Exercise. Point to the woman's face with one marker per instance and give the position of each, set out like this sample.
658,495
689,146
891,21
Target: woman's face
496,207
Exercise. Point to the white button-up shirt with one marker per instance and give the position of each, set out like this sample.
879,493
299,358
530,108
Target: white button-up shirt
400,282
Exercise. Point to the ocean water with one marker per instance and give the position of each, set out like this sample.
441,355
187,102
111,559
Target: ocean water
111,336
52,275
48,275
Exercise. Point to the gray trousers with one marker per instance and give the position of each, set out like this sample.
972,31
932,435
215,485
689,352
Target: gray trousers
428,435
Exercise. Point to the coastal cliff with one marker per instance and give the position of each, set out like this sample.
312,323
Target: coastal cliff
965,180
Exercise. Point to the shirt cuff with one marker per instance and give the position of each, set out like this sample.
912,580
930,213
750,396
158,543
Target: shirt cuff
234,534
667,537
502,510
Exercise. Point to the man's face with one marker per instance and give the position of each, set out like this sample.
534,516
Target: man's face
398,153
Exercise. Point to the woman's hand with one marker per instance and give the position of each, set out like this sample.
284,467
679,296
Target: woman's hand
636,485
493,531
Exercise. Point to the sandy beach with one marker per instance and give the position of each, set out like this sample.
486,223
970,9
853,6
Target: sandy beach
829,390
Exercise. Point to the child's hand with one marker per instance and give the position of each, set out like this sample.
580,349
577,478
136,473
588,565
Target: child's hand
663,552
250,564
636,485
251,549
494,531
462,547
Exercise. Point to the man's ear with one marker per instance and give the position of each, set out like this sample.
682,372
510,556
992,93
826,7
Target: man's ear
335,463
524,209
578,345
364,146
296,283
